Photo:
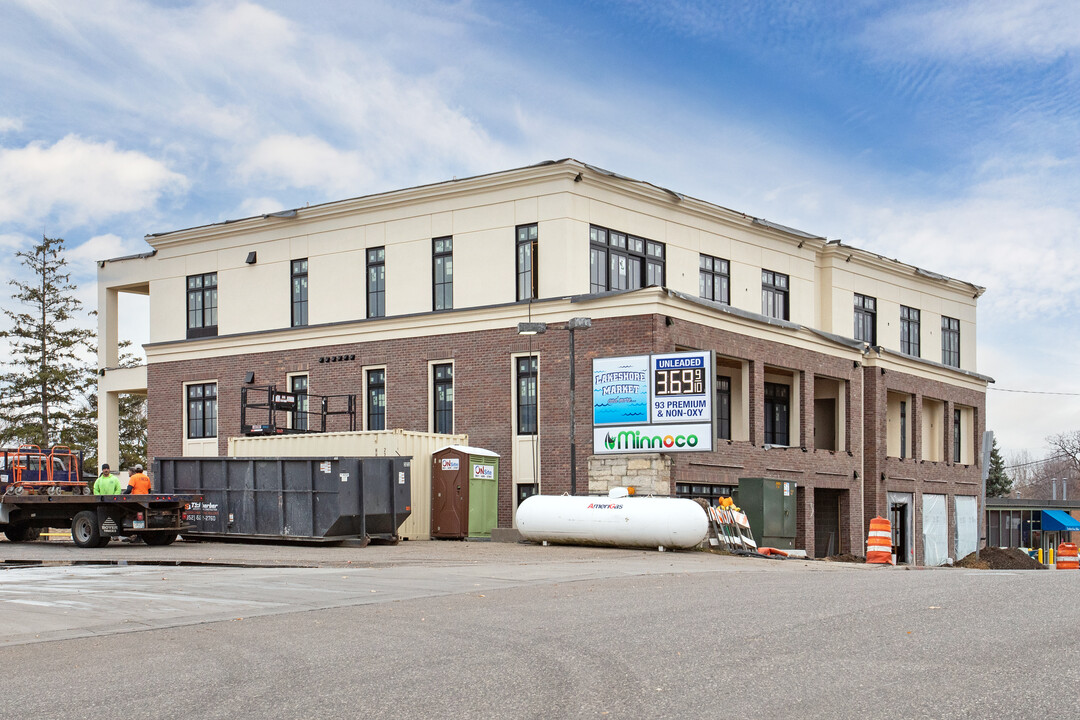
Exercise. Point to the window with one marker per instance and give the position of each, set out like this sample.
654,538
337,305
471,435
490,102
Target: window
618,261
299,293
774,295
376,282
526,395
443,379
709,493
776,413
950,341
298,385
723,407
903,429
956,421
865,319
714,279
376,399
202,410
442,251
526,262
202,305
909,331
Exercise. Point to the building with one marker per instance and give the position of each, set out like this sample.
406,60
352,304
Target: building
847,373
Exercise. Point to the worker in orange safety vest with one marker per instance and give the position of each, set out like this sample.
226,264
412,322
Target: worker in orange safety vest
138,483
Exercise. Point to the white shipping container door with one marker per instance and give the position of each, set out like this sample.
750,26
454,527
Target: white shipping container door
967,525
935,530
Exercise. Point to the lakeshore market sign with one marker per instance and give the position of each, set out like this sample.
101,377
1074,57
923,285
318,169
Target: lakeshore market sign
653,403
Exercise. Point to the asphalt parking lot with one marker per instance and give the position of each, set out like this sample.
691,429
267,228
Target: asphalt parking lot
454,629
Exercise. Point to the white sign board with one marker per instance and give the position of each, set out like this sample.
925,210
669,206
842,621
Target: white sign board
621,439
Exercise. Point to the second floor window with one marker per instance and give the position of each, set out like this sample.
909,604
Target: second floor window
714,279
526,395
776,413
202,305
376,399
443,385
526,262
723,407
299,293
618,261
376,282
298,385
202,411
774,295
909,331
865,319
442,250
950,341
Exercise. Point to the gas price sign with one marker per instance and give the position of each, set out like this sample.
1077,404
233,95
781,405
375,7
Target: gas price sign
682,387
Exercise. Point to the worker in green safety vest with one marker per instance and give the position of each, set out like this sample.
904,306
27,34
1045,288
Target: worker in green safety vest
107,483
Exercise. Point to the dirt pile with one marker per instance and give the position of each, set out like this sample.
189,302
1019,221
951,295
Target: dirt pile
846,557
992,558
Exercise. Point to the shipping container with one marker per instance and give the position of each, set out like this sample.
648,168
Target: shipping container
380,443
309,498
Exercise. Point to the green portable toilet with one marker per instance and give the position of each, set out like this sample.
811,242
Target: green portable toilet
464,492
770,506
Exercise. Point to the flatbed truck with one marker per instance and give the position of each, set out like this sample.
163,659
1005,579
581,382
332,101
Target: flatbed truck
96,519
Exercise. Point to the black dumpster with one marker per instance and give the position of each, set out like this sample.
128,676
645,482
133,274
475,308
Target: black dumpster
311,499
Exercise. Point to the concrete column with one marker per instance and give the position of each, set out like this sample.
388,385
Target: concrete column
109,429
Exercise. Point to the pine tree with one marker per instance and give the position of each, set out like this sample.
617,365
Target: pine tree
998,483
46,373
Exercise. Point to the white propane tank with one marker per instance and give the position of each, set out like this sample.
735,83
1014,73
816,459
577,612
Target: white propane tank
619,519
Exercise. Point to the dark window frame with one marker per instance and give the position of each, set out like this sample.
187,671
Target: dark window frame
526,259
202,293
442,385
375,398
298,386
723,407
376,282
777,403
620,261
775,289
201,425
958,421
527,377
950,341
910,331
866,319
442,273
714,273
299,286
903,429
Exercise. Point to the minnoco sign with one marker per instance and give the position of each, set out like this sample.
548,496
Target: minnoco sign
653,403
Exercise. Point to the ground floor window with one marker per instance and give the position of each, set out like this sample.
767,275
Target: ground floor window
202,410
777,410
1013,528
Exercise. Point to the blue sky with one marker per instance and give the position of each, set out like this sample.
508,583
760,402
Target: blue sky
946,135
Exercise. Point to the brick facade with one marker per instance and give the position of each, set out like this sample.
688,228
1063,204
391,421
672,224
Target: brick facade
484,407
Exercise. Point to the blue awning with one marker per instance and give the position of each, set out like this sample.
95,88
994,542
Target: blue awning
1053,520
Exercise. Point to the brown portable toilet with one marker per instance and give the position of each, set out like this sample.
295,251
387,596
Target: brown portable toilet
464,492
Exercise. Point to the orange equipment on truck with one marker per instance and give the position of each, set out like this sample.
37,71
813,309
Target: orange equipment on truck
29,470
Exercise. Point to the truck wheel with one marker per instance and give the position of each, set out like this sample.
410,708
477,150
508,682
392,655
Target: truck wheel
159,538
84,529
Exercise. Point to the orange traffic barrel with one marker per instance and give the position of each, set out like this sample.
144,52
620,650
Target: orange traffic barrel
1067,557
879,542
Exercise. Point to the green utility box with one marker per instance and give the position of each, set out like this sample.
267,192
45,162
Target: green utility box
464,492
770,507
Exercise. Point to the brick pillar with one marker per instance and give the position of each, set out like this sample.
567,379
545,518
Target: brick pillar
806,409
757,402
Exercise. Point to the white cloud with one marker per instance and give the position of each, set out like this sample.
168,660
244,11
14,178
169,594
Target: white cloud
79,181
987,31
104,247
8,124
251,207
306,162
